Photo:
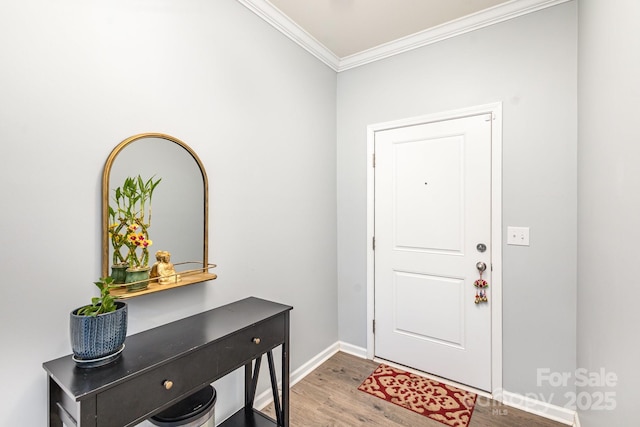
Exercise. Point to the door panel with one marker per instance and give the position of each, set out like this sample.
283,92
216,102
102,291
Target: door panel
428,174
443,322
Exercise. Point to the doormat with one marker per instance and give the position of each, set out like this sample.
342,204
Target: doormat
444,403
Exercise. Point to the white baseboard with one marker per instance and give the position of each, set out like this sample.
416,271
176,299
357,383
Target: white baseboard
352,349
538,407
576,420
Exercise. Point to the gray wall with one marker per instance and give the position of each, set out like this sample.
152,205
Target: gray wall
609,179
529,64
77,78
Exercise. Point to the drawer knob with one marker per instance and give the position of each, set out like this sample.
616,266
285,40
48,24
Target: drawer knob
167,384
256,340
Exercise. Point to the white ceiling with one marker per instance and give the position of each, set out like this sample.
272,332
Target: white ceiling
349,33
347,27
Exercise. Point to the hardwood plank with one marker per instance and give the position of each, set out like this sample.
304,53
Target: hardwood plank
329,396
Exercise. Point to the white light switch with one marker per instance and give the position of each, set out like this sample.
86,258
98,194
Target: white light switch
518,236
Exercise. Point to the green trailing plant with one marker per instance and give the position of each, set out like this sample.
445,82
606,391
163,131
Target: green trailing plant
105,303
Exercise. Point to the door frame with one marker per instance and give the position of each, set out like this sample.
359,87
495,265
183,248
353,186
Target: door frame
495,109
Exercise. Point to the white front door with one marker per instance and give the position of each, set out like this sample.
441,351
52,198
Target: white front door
432,219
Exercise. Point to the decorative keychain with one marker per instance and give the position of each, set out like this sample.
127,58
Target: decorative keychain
481,285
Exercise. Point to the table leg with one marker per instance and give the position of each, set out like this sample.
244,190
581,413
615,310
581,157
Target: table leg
274,388
55,396
251,382
285,373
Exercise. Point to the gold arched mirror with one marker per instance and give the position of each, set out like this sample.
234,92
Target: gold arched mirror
154,216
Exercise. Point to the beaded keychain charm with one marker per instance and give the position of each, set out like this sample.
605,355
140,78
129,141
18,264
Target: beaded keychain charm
481,285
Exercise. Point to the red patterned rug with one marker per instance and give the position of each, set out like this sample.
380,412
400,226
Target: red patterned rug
444,403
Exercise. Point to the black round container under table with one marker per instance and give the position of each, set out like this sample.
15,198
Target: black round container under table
197,410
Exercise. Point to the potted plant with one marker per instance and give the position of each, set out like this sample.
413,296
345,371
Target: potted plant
130,220
98,330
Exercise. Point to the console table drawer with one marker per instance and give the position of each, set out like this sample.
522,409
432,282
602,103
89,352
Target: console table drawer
247,345
143,394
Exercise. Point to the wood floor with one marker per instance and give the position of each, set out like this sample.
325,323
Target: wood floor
329,397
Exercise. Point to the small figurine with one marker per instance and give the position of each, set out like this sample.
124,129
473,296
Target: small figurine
163,269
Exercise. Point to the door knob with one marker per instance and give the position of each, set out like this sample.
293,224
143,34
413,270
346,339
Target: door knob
481,266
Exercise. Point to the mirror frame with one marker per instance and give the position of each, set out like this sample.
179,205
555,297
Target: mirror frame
106,174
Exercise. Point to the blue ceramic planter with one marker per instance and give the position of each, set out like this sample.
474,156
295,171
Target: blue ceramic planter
97,337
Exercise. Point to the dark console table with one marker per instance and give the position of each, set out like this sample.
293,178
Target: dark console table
161,366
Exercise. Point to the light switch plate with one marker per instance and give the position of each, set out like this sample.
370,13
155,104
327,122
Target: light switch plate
518,236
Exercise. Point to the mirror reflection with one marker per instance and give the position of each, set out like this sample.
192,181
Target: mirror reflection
170,229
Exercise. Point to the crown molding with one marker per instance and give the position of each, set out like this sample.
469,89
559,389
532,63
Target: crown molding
500,13
484,18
